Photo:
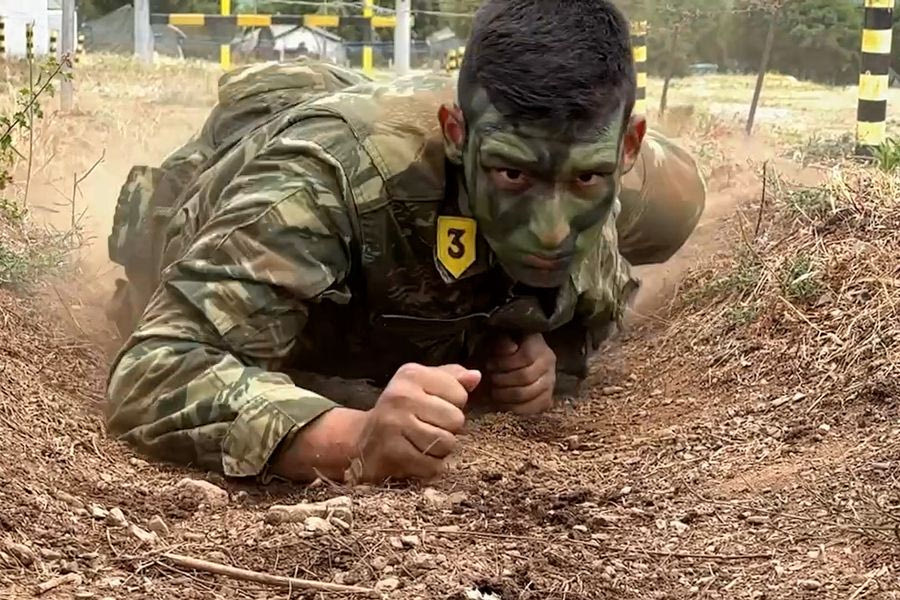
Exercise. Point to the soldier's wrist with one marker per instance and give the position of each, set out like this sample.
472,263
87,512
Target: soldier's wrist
323,448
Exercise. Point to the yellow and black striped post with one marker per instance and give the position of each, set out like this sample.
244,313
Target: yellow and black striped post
874,78
79,48
639,44
368,36
54,45
2,39
225,49
368,23
29,41
454,59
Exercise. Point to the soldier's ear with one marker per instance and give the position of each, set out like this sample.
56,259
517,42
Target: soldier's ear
453,127
631,144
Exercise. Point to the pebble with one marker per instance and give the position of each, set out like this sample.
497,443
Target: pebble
457,498
824,427
144,536
581,528
434,497
340,507
83,595
337,522
116,518
316,524
379,563
204,491
112,582
158,526
98,512
611,390
396,543
881,466
758,520
51,554
410,541
387,585
625,490
809,584
138,462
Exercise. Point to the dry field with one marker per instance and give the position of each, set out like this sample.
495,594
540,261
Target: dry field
740,440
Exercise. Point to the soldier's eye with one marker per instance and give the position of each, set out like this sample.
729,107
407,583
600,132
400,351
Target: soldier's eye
588,179
510,179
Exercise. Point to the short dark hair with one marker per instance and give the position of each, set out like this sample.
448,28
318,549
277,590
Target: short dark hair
560,59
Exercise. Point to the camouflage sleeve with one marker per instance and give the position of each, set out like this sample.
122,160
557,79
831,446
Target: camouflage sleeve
662,198
198,382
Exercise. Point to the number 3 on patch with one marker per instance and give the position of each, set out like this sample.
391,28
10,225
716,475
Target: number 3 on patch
456,243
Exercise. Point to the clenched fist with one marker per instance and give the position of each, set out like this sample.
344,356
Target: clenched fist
521,377
413,427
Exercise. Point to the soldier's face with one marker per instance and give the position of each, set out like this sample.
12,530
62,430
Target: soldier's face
537,190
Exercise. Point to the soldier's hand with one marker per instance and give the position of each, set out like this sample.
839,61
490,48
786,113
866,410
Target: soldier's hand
522,376
412,429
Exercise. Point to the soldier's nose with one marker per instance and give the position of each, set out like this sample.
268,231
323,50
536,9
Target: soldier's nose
553,236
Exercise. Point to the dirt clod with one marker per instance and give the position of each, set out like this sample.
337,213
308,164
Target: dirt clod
388,584
20,552
340,507
809,584
204,492
317,524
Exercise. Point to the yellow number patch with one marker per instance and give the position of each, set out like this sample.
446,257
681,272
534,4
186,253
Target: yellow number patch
456,243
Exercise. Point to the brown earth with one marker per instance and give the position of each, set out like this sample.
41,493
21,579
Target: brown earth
705,459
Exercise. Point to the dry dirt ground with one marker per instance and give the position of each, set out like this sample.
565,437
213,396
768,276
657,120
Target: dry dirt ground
740,440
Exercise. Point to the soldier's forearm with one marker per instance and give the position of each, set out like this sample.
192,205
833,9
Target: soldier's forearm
321,449
192,403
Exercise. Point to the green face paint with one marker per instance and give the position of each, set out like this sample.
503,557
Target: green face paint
538,190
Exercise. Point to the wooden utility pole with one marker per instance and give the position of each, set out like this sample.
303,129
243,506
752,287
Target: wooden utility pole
774,13
66,94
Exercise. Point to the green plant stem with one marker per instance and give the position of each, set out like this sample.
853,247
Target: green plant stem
34,99
30,112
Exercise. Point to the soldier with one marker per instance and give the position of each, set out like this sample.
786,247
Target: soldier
454,243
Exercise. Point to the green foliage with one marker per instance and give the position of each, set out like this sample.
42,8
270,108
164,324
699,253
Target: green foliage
739,315
887,156
26,254
740,281
812,203
801,281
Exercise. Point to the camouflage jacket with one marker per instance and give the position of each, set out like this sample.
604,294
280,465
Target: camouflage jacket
302,231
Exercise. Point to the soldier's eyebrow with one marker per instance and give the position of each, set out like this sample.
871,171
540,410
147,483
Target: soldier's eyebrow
506,147
600,157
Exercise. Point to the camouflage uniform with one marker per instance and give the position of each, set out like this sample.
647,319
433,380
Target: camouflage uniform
297,232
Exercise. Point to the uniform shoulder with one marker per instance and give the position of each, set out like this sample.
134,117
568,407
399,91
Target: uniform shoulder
396,123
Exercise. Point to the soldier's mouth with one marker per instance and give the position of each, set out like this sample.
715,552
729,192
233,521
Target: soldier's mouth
547,262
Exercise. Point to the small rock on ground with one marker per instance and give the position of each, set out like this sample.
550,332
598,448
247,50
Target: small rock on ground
158,526
208,493
387,585
116,518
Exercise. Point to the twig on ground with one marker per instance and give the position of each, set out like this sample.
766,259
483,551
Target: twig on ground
762,202
264,578
875,575
50,584
635,552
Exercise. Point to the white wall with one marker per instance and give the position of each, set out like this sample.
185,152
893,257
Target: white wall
17,13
